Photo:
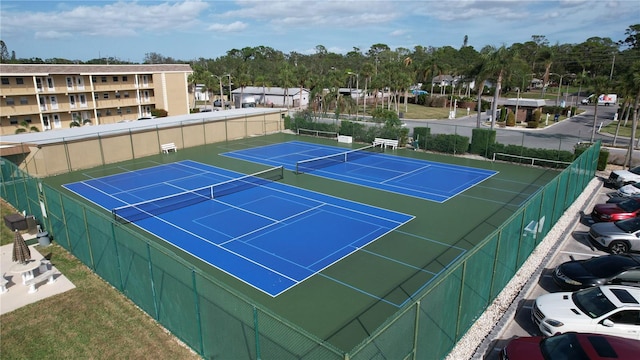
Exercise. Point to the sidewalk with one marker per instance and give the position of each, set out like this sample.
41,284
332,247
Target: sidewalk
17,295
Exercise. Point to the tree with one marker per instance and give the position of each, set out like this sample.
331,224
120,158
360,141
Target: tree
497,65
286,81
4,52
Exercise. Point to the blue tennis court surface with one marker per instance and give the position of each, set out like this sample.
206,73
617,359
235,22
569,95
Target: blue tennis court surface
418,178
271,236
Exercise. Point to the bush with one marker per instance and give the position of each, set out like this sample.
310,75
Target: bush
159,113
532,124
448,143
481,141
511,119
421,134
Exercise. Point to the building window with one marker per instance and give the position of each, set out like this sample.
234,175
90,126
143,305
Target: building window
10,101
27,120
126,94
117,95
105,95
96,96
5,81
108,112
98,113
125,79
19,81
115,79
94,79
128,110
104,79
24,100
119,111
13,122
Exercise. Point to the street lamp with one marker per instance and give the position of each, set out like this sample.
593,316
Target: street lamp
230,97
357,90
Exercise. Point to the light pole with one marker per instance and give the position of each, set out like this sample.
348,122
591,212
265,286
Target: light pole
357,90
230,97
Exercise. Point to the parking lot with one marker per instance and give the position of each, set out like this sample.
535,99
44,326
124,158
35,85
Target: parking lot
574,244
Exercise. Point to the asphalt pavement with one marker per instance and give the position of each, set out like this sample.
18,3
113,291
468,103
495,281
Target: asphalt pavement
576,245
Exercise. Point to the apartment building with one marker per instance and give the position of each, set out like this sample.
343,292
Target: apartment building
41,97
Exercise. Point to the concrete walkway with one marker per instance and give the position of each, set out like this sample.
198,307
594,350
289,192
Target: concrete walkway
17,294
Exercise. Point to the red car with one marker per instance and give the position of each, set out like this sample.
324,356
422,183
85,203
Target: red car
618,211
572,346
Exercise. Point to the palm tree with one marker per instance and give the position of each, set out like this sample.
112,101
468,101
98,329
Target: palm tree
303,75
261,80
634,81
497,65
366,71
286,81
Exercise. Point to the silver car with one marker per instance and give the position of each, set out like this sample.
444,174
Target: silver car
616,237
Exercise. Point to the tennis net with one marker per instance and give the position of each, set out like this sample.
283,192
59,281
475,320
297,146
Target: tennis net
328,160
149,208
318,133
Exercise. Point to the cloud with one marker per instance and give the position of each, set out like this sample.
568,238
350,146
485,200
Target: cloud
108,20
398,32
310,14
51,34
233,27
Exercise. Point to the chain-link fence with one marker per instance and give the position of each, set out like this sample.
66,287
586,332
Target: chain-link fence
218,322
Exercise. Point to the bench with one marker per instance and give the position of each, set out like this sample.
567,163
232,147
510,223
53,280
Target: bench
47,275
3,285
168,147
386,143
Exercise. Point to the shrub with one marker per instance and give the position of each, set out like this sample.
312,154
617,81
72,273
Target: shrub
511,119
481,141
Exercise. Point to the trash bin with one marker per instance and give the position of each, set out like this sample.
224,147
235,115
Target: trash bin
43,238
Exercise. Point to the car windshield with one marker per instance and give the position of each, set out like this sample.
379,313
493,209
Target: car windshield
592,302
629,225
606,266
629,205
562,347
636,170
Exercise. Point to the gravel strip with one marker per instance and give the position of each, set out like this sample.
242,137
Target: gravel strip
489,326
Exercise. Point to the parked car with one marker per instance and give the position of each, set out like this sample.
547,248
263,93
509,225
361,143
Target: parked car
614,198
571,346
616,211
629,190
620,269
608,310
619,178
616,237
218,103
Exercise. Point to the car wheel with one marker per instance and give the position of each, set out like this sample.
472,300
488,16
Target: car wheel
618,247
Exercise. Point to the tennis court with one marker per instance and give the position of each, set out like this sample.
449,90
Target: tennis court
269,235
370,167
342,304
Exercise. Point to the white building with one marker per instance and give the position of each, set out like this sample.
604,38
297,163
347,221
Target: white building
273,96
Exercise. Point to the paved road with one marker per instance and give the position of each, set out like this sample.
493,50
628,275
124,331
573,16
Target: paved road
563,135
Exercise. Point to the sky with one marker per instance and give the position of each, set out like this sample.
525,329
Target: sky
194,29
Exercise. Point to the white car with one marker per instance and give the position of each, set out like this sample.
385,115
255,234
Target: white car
629,190
609,310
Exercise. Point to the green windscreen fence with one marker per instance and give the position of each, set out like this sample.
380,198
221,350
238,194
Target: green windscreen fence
217,321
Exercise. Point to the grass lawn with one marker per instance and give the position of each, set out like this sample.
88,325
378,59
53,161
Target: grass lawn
92,321
624,131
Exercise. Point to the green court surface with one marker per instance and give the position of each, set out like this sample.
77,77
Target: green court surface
346,302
